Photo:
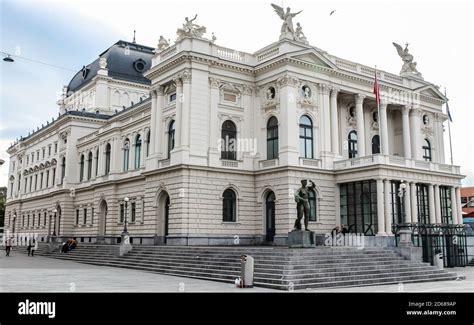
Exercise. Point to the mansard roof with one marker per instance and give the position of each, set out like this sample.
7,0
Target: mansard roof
121,64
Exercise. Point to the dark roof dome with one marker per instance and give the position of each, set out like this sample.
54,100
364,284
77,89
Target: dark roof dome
125,61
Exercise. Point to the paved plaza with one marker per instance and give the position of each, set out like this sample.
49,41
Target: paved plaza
20,273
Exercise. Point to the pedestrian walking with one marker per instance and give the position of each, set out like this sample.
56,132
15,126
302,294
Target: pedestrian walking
8,246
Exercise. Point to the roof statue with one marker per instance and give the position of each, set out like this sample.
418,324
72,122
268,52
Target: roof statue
409,67
287,17
163,44
190,29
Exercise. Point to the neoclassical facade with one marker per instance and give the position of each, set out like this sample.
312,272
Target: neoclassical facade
197,144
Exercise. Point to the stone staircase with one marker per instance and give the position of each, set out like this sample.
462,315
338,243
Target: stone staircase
275,267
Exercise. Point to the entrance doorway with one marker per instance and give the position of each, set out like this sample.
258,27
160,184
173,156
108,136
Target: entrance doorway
270,216
102,218
162,218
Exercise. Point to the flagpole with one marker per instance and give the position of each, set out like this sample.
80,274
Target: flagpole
378,112
449,127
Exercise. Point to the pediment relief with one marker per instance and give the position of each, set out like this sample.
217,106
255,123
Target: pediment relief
430,91
313,59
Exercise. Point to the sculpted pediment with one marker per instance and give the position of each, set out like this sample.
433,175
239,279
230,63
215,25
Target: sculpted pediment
431,91
313,57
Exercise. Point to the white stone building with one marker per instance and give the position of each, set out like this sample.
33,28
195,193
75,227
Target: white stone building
146,124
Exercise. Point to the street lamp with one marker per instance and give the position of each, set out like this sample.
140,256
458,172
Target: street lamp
125,230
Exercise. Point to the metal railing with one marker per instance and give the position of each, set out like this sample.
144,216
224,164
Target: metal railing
449,240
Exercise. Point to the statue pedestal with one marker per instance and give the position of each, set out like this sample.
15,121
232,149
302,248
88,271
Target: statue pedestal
301,239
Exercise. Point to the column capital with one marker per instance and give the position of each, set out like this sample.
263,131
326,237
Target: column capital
383,103
334,91
415,111
214,82
405,109
186,76
178,82
153,93
324,88
287,80
359,99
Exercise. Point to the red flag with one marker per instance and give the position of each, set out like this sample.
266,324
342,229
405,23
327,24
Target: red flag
376,89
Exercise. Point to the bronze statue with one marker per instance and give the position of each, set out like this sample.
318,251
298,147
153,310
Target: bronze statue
302,204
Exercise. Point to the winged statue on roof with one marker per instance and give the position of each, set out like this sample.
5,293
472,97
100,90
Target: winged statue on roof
409,67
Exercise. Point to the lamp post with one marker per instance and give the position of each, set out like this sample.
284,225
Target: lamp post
125,230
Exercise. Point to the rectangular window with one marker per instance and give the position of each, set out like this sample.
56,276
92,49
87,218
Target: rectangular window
32,157
358,205
37,155
56,147
44,151
172,97
26,183
49,150
54,176
36,182
85,216
122,212
27,160
446,212
398,211
132,212
41,181
77,216
44,219
33,220
31,182
47,178
92,215
423,203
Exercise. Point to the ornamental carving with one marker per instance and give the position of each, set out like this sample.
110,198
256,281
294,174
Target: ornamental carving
288,80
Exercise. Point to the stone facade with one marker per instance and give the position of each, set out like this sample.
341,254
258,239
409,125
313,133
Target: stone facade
164,150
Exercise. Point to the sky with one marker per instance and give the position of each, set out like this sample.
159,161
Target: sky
71,33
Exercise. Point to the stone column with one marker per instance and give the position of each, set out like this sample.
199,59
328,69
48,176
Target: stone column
186,106
440,131
288,128
454,207
153,112
380,208
406,131
415,126
326,122
407,204
213,123
414,203
94,162
159,135
459,206
360,124
384,127
101,160
334,122
179,112
144,144
437,203
387,201
431,201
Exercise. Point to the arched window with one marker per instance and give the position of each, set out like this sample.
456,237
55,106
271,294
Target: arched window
352,139
97,162
126,154
312,205
306,137
147,143
171,131
89,165
427,150
63,170
272,138
81,169
375,144
108,149
228,141
229,207
138,150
